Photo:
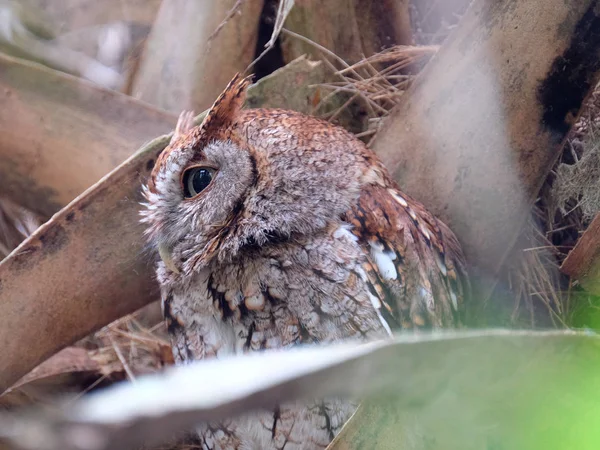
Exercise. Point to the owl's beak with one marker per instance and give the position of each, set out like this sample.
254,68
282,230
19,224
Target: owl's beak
165,254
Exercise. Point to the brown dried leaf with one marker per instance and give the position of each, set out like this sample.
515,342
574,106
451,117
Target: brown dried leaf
193,51
583,262
52,376
82,269
59,135
70,359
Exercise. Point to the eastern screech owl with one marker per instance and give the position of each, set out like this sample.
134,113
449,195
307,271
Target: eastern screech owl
277,229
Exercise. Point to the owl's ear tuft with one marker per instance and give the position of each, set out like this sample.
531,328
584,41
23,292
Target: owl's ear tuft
228,104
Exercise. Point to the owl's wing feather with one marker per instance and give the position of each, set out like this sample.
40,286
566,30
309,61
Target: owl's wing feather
414,264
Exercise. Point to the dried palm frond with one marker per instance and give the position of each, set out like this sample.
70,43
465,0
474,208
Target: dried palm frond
534,278
134,345
380,80
568,201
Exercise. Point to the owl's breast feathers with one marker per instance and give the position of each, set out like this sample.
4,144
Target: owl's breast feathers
414,264
386,264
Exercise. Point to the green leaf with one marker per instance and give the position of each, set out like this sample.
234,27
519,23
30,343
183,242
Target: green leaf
487,389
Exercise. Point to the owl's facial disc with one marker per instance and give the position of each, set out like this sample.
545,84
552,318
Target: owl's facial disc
194,182
198,195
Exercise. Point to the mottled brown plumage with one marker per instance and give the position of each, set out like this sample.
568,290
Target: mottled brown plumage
277,229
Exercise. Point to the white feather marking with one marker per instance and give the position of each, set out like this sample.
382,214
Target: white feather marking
424,231
454,301
373,176
344,231
374,301
428,297
376,245
384,261
377,305
362,274
398,198
440,263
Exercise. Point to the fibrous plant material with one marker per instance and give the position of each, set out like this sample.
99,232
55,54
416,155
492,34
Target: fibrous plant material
534,283
295,86
559,221
368,90
570,194
303,86
577,185
540,287
68,371
377,90
131,346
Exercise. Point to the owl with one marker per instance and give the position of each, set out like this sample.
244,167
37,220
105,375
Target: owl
276,229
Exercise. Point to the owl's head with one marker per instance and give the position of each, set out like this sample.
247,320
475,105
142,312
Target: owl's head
246,179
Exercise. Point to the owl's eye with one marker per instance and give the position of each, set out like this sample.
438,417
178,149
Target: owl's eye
195,180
